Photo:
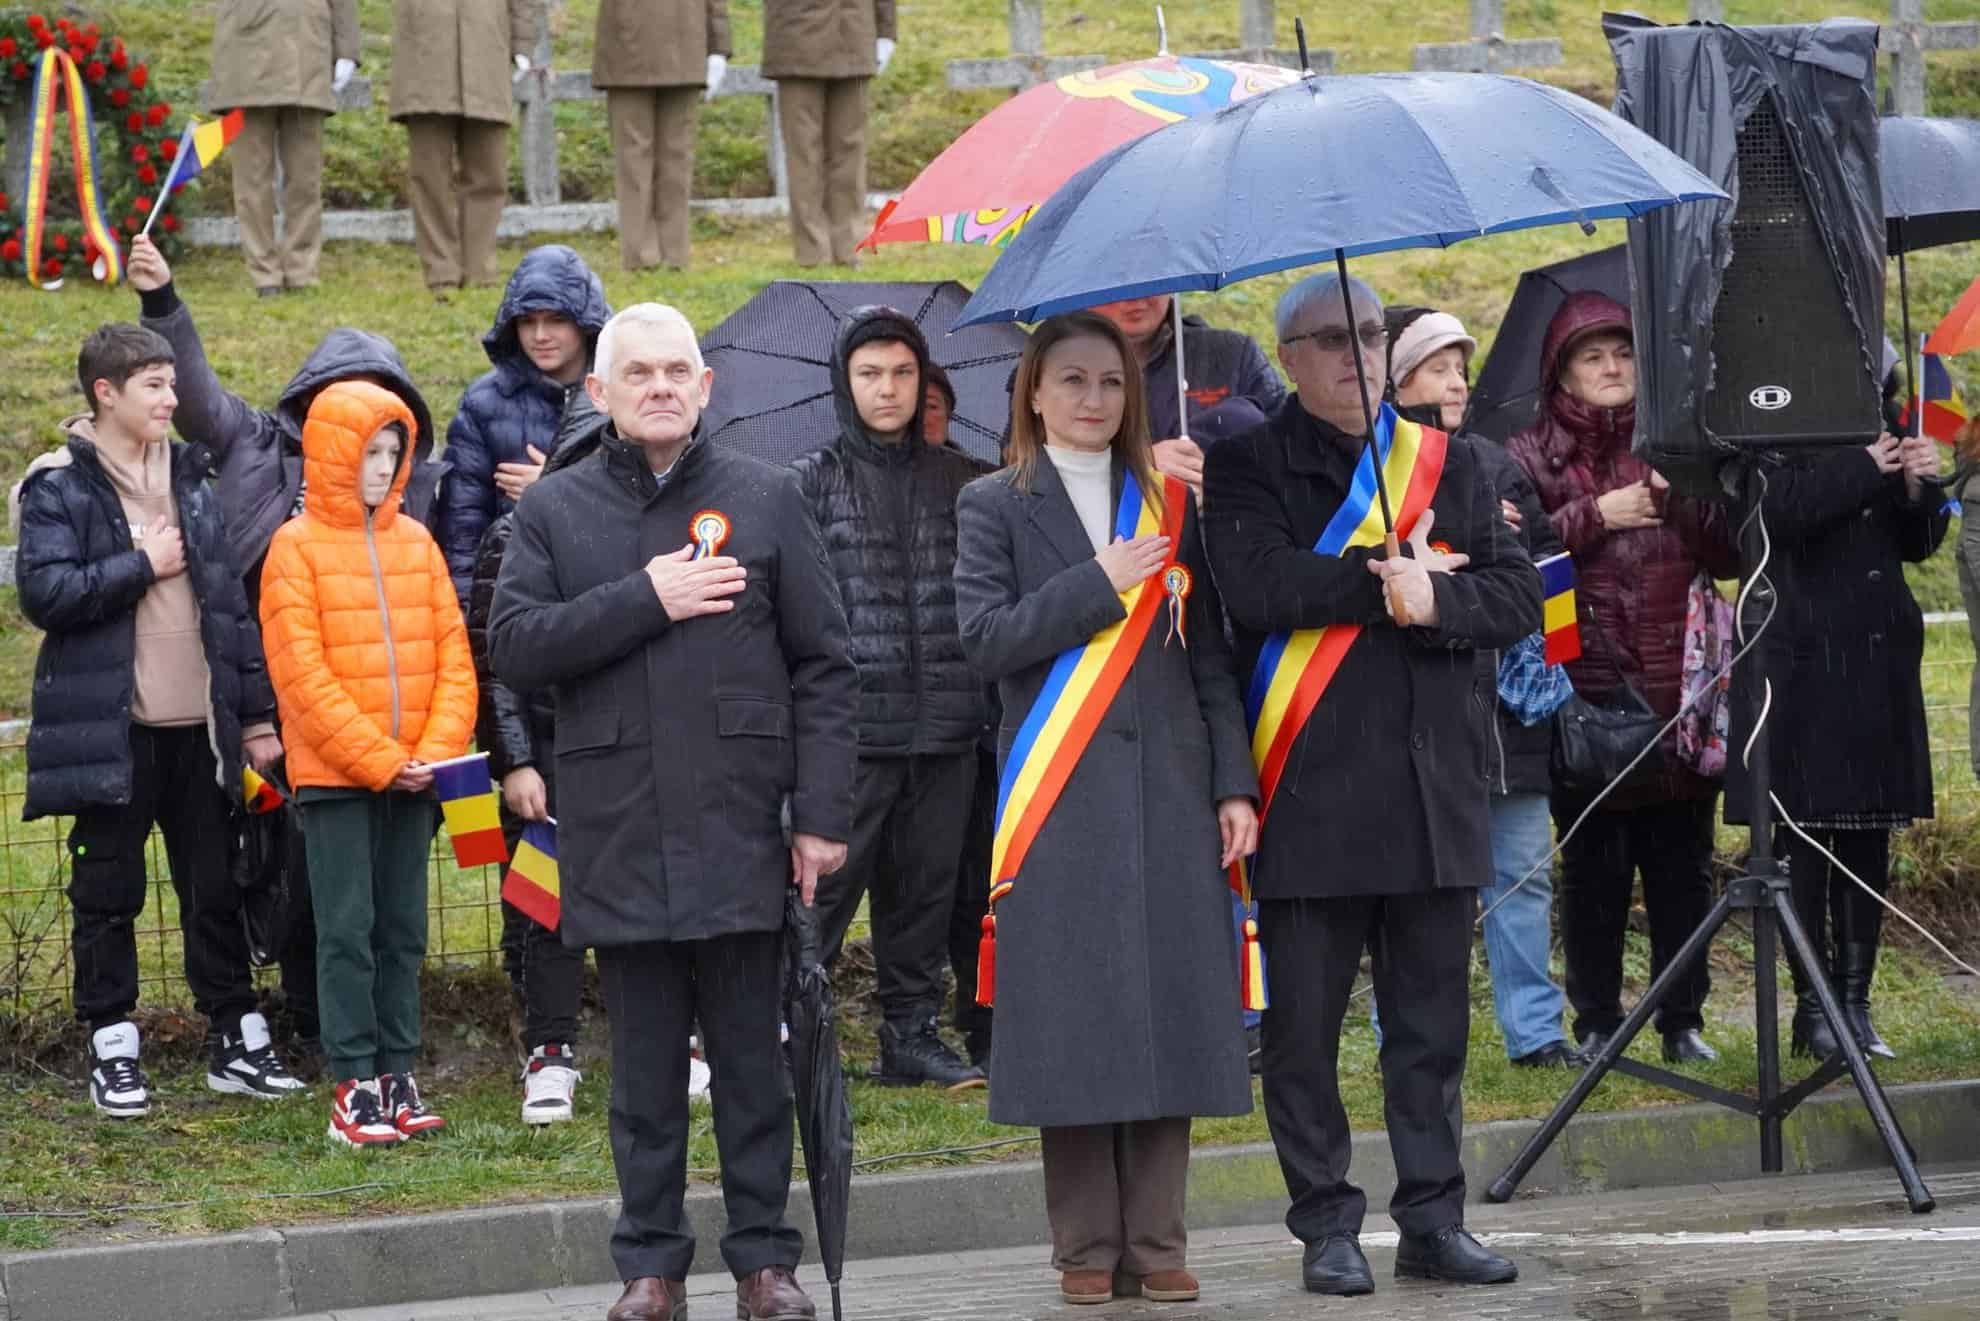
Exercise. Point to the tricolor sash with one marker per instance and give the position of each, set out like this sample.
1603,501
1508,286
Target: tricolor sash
1294,668
57,75
1080,687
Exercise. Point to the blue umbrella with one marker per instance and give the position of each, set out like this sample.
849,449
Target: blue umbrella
1329,168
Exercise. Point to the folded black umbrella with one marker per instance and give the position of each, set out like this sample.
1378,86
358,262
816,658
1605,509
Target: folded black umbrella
270,866
824,1113
1507,395
773,356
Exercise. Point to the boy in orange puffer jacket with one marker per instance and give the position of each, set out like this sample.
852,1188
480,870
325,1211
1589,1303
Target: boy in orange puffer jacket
371,668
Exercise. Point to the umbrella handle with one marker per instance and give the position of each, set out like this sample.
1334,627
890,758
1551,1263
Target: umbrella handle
1392,590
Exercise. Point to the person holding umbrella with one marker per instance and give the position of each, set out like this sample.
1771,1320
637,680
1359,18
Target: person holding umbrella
1082,589
1374,747
705,695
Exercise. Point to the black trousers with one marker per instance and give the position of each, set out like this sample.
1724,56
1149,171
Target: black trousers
1671,845
174,783
973,895
653,991
547,974
1422,951
909,814
1831,907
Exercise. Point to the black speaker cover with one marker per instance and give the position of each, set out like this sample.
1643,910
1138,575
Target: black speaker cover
1759,324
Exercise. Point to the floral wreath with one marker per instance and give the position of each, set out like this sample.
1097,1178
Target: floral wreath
140,137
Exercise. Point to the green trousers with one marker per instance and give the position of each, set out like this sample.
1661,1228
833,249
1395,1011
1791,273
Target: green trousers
367,880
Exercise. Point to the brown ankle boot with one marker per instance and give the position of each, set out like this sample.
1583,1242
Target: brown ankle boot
1170,1287
772,1294
651,1299
1086,1286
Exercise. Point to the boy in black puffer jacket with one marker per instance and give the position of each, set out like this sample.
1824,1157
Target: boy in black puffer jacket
148,691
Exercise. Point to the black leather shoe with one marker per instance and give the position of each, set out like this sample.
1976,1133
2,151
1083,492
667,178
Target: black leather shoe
1553,1055
1334,1265
1856,964
1591,1043
914,1053
1451,1254
1687,1047
1811,1034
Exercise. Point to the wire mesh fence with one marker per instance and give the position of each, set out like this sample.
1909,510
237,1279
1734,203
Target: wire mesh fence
465,919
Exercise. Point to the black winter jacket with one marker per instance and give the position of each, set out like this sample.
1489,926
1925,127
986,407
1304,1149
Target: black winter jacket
1220,364
513,405
514,729
258,453
80,580
887,513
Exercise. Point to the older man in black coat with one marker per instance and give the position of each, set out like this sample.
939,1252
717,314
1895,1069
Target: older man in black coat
675,599
1376,829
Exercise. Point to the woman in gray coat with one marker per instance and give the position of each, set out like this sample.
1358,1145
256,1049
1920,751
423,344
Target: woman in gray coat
1115,976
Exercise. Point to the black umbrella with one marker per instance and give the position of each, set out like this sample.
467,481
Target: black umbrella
772,361
824,1115
1507,396
1931,177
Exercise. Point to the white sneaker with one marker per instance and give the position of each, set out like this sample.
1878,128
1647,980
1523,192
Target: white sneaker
549,1081
117,1087
246,1064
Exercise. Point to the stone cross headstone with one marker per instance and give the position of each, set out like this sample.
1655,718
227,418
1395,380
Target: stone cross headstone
1908,36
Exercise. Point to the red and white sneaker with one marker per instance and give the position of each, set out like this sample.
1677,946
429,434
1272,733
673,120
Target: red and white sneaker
357,1115
406,1111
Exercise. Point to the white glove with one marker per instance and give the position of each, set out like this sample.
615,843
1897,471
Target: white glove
522,65
883,53
718,69
340,74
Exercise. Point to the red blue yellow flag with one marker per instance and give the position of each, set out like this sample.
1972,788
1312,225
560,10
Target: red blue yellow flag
260,795
471,810
532,884
1945,412
202,144
1078,690
1559,623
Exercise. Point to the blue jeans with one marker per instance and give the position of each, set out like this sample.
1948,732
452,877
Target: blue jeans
1517,936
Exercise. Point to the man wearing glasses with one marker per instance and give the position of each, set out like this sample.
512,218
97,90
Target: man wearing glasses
1371,743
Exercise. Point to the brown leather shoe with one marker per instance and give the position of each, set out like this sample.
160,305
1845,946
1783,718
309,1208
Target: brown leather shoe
1170,1287
1086,1286
772,1294
650,1298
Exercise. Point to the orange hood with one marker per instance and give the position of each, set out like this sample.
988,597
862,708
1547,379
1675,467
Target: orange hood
341,422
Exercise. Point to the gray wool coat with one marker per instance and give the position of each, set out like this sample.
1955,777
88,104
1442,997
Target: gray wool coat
1117,978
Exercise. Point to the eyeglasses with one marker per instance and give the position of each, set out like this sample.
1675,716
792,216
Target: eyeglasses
1334,339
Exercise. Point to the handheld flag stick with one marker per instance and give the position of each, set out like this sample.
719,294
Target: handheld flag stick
164,191
1391,547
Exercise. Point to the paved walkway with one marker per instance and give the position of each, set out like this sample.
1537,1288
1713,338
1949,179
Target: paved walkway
1841,1247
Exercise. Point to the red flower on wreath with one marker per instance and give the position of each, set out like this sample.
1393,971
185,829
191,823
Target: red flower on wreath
170,222
60,242
9,48
36,22
141,203
44,38
121,97
147,175
139,76
118,60
52,267
20,69
90,252
4,204
140,153
10,250
134,122
132,224
94,71
158,114
169,149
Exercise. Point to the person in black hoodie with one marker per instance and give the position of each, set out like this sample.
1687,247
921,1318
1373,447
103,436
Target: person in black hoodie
885,502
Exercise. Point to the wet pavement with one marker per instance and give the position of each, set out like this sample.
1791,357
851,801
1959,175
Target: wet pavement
1839,1247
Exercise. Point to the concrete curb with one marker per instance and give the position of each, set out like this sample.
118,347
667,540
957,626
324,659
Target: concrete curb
509,1249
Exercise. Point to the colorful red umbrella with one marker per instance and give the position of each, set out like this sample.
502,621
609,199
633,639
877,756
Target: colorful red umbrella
1960,331
986,184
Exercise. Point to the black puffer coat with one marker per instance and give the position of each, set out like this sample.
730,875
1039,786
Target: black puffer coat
887,513
80,579
514,729
513,405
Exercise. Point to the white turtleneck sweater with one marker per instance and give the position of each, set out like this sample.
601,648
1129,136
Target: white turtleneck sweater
1089,480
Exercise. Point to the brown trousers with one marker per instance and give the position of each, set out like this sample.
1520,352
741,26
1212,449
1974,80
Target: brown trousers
1114,1194
824,124
284,141
653,146
460,179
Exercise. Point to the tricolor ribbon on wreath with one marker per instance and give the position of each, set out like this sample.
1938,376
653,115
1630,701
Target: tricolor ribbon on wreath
1068,709
54,77
1294,669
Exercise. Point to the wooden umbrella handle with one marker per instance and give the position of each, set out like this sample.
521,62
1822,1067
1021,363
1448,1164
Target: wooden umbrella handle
1392,590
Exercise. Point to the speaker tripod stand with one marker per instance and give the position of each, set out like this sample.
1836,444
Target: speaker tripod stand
1764,894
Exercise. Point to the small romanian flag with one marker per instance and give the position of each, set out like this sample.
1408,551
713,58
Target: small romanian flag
531,884
260,795
1557,618
1945,411
471,810
201,145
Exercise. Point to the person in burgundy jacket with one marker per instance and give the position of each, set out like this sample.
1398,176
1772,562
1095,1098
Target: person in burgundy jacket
1637,546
